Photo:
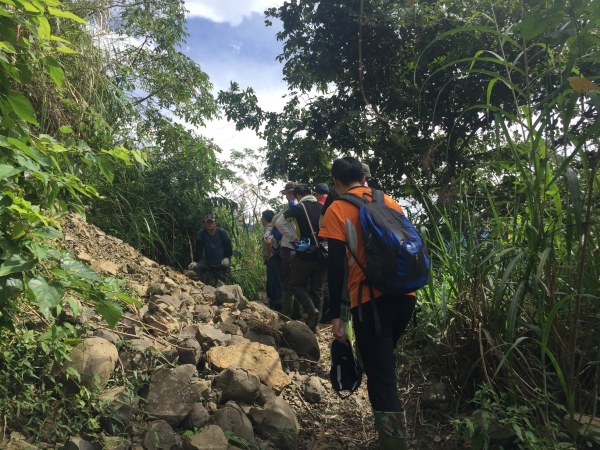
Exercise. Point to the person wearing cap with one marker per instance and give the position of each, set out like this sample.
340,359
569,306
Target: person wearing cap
213,251
367,174
272,258
290,307
321,192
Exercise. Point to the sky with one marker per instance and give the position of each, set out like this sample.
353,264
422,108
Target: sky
230,42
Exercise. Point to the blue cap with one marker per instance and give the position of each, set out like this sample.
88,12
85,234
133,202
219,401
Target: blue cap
322,188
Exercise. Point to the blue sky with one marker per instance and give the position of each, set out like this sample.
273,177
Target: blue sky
230,41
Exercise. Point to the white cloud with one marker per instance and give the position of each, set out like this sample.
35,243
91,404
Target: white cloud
232,11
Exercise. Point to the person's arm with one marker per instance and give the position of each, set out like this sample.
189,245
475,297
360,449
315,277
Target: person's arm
227,250
269,248
199,246
335,275
287,229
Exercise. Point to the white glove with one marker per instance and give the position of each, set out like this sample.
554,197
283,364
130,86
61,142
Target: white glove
225,262
192,265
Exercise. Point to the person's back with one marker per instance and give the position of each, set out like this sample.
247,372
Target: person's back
213,250
306,216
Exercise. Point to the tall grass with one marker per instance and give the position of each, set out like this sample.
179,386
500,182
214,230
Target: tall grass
514,298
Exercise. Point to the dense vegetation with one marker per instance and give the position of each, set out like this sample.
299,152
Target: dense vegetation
483,114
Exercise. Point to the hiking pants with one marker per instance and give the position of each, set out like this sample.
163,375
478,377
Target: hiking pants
220,273
286,269
377,352
304,272
274,291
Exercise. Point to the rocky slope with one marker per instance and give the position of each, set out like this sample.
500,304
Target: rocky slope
222,372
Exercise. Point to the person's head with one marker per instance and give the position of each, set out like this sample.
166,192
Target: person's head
288,190
301,191
366,173
321,191
210,222
267,217
347,172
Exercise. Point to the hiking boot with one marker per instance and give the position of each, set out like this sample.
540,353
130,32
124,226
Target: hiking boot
315,325
312,313
391,428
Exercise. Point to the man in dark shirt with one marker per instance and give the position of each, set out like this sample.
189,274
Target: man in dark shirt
306,267
213,250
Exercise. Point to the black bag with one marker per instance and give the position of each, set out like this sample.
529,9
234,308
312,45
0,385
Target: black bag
320,247
346,373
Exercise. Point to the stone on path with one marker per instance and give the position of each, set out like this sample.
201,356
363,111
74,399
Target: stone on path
300,338
189,351
436,396
313,390
231,293
265,393
277,422
232,418
94,356
257,358
211,438
237,384
160,436
197,418
171,396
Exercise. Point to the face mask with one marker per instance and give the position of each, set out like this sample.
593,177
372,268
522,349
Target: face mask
293,202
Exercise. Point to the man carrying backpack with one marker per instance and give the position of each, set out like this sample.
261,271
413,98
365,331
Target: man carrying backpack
379,319
213,251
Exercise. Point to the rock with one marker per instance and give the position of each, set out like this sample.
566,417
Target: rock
300,338
265,393
120,408
265,339
231,293
230,328
109,336
278,423
237,384
203,312
155,289
211,438
313,390
211,337
17,442
202,387
166,300
162,321
84,257
171,396
436,397
141,344
257,358
501,436
94,356
160,436
105,266
197,418
189,351
209,293
289,359
135,361
170,354
122,442
232,418
211,407
142,291
237,340
588,426
223,317
76,443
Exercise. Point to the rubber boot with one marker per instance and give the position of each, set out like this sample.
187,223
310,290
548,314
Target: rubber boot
315,326
308,306
291,307
391,428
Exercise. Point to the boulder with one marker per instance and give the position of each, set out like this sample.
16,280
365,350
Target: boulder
209,293
76,443
94,356
257,358
265,393
211,438
313,390
175,302
189,351
289,359
232,418
109,336
120,409
436,397
197,418
171,396
588,426
155,289
237,384
230,328
202,387
203,312
211,337
160,436
231,293
265,339
300,338
235,340
104,266
277,422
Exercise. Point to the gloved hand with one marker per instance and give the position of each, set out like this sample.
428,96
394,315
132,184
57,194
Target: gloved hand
192,265
225,262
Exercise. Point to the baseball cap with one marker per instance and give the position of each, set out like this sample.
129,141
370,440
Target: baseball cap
322,188
209,217
366,170
289,186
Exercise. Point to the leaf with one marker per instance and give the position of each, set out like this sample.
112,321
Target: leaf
126,298
79,270
7,171
582,85
16,263
66,50
74,306
46,295
47,232
110,312
65,14
21,107
106,167
8,287
54,70
43,28
66,129
7,47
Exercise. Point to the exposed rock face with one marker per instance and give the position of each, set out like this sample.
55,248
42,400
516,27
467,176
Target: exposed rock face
211,438
197,418
436,396
238,384
313,390
171,396
160,436
94,356
302,340
278,423
232,418
257,358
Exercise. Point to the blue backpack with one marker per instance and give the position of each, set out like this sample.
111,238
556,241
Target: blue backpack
397,257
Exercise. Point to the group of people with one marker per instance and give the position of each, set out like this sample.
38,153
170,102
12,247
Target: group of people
301,283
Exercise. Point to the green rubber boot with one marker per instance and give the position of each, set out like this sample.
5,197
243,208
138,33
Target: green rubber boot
391,428
291,307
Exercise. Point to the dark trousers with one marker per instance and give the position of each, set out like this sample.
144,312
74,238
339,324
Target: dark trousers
286,269
377,352
220,273
274,290
305,272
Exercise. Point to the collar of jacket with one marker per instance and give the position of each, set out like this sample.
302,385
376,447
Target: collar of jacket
308,198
